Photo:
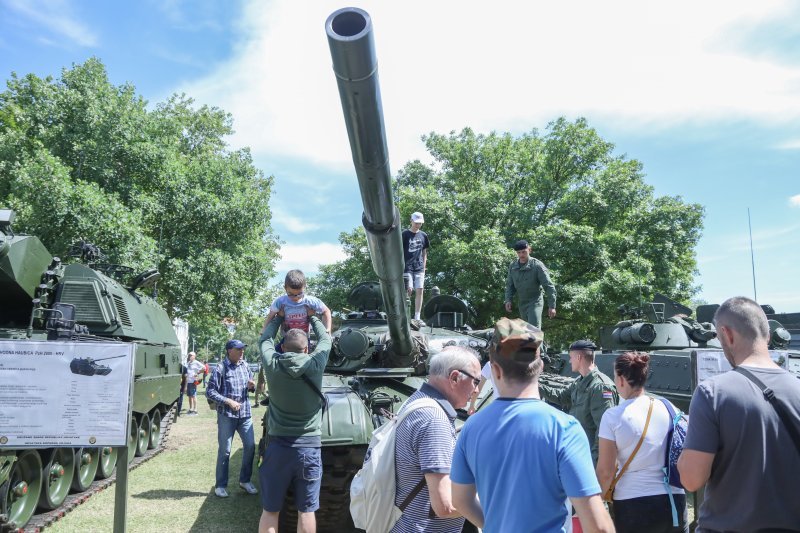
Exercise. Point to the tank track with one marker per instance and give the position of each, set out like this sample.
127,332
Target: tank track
41,520
339,465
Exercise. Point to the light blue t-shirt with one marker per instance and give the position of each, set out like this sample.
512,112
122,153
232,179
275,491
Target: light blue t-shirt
525,458
295,314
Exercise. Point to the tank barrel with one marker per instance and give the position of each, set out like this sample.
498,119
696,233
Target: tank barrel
355,64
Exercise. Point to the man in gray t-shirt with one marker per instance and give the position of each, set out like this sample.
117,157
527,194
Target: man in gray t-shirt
736,444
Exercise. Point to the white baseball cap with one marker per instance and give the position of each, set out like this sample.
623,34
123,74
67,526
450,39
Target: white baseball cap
417,217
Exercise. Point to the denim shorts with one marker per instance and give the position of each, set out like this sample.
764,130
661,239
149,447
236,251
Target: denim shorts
191,389
285,467
414,280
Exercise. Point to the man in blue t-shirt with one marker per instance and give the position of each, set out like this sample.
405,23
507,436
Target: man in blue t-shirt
415,255
519,459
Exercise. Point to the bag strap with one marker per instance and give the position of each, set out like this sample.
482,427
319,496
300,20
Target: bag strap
610,490
769,394
316,389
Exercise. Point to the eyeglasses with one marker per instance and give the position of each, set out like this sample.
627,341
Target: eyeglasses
296,295
475,380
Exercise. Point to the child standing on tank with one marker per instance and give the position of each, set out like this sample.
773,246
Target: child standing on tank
292,305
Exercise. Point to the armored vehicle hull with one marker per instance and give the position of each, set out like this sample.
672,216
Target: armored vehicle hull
47,300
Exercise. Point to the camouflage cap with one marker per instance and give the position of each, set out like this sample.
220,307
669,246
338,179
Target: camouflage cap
515,339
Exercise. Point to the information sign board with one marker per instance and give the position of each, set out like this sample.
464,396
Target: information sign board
712,362
61,393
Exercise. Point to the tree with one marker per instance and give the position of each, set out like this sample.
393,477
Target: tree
82,159
590,216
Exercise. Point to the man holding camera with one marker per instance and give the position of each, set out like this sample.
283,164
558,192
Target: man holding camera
292,457
228,386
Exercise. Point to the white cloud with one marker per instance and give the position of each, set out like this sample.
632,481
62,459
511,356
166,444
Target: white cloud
292,223
308,257
56,16
794,201
445,65
792,144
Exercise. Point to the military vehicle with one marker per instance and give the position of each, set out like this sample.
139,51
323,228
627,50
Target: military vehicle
86,366
379,356
664,328
45,299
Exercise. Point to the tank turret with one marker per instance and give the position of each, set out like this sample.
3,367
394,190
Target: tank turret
662,324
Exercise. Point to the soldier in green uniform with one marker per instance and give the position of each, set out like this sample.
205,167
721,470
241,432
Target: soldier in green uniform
526,278
588,397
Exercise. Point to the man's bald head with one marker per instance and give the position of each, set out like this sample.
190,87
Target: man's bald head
745,317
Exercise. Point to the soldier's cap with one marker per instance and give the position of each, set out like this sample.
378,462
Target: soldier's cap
516,340
582,345
417,217
235,343
521,245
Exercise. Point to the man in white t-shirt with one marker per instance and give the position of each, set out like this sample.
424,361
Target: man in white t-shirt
194,373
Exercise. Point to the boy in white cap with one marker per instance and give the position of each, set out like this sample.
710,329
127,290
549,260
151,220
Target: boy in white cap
415,254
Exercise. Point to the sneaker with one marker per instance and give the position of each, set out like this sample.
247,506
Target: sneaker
249,488
221,492
191,413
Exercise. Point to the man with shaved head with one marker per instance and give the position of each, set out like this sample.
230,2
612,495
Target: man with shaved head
737,445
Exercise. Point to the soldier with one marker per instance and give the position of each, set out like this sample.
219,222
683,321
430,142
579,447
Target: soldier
588,397
526,277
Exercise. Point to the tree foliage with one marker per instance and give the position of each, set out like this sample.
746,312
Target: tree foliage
81,158
589,215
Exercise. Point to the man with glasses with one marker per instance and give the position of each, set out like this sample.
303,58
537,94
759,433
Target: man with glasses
292,306
425,442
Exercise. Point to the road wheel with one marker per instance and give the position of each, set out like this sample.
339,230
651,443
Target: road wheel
106,462
57,474
24,485
143,435
86,462
155,428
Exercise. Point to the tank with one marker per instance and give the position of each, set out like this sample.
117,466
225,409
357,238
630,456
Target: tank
666,330
47,299
379,356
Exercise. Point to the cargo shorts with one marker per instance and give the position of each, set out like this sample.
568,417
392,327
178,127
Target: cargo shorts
414,280
284,467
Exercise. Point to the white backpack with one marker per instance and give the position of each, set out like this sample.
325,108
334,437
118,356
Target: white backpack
373,489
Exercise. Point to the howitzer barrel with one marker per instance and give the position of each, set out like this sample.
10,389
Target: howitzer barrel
355,64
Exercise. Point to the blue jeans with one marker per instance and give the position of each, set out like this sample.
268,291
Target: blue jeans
226,426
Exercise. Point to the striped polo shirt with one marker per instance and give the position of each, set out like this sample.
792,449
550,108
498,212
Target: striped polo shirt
425,443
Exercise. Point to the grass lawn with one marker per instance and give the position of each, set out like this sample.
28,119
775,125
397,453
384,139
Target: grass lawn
174,491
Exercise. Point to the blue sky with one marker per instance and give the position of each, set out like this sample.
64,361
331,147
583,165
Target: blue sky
705,94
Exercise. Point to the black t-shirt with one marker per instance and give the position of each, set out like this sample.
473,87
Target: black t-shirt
413,244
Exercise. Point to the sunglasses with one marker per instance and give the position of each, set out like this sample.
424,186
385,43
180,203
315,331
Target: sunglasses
475,380
296,295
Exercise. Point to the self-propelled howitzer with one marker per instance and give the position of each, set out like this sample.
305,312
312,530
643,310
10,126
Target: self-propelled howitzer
47,300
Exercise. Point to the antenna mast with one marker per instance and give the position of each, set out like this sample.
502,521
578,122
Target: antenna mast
752,257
